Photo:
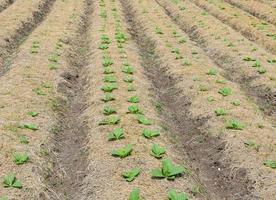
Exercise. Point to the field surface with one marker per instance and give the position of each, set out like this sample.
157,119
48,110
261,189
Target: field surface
137,99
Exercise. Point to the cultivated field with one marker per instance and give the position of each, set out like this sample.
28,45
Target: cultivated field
137,99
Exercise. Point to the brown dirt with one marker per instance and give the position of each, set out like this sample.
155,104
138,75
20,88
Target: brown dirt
4,4
260,88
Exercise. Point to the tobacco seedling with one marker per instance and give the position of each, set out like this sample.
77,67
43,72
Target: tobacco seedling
53,57
39,91
175,50
135,195
182,40
226,91
133,99
212,72
110,79
122,152
257,64
142,120
108,70
236,102
121,37
32,127
108,97
270,163
221,81
33,113
116,134
110,120
20,158
235,124
109,87
220,111
128,69
105,39
23,139
11,181
147,133
157,151
107,62
261,70
186,62
168,170
128,79
103,46
108,110
247,58
252,144
132,174
134,109
131,87
158,30
173,195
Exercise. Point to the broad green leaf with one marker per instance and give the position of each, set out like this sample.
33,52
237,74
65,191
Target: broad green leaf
105,39
11,181
220,111
110,79
148,133
157,173
134,109
173,195
23,139
128,79
226,91
33,113
108,97
20,158
116,134
107,62
142,120
132,174
128,69
135,195
133,99
270,163
122,152
234,124
110,120
212,72
108,70
157,151
108,110
32,127
131,87
109,87
103,46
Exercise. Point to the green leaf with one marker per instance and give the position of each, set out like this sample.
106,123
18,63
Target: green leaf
122,152
107,62
157,173
147,133
175,50
212,72
39,91
261,70
236,102
130,87
133,99
221,81
270,163
110,79
120,37
128,69
132,174
105,39
226,91
116,134
134,109
135,195
142,120
3,198
103,46
220,111
108,97
247,58
32,127
110,120
11,181
235,124
109,87
257,64
158,30
108,110
108,70
157,151
23,139
173,195
20,158
128,79
33,113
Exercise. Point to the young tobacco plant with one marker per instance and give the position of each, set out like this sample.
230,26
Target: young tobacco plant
226,91
134,109
103,46
122,152
105,39
108,70
131,174
235,124
11,181
111,120
128,79
133,99
128,69
20,158
107,62
135,195
32,127
33,113
131,87
142,120
109,87
147,133
220,111
157,151
110,79
173,195
108,97
108,110
168,170
212,72
270,163
116,134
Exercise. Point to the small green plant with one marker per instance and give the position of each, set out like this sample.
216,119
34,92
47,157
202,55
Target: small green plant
221,81
158,30
20,158
173,195
212,72
121,37
226,91
116,134
53,57
109,87
11,181
182,40
39,91
133,99
148,133
220,111
103,46
110,120
108,97
107,62
236,102
110,79
128,69
168,170
157,151
105,39
131,87
32,127
33,113
235,124
175,50
122,152
23,139
128,79
247,58
261,70
257,64
131,174
135,195
270,163
134,109
252,144
108,70
186,62
108,110
142,120
3,198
